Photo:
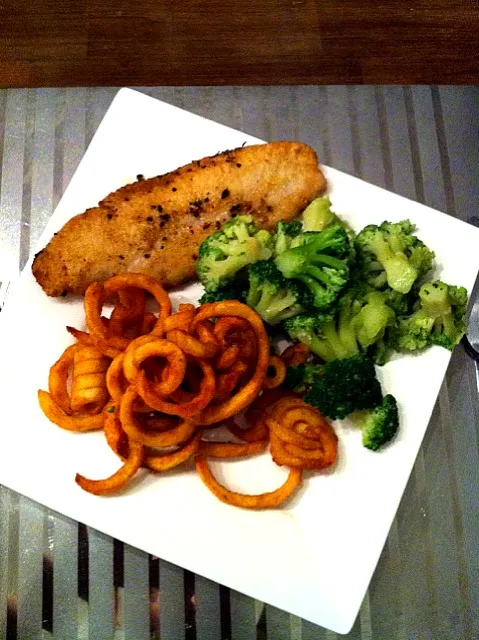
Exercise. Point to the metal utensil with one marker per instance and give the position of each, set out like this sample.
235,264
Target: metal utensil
4,287
471,340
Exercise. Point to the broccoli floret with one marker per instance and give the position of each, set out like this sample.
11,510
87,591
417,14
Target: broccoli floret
285,232
348,388
224,253
321,333
299,378
420,257
437,320
274,297
380,424
230,292
360,321
391,255
380,352
344,386
316,259
318,215
372,319
402,304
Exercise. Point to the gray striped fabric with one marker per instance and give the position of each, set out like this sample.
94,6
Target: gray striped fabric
59,579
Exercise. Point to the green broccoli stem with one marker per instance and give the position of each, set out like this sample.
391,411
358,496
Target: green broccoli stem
330,347
400,274
346,332
264,303
371,321
359,417
435,301
325,260
272,307
315,273
331,334
294,262
318,215
242,233
321,349
316,288
445,324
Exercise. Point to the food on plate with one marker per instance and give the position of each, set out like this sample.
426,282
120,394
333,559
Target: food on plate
57,379
268,500
160,383
320,260
273,296
348,387
360,322
120,478
438,318
155,226
156,388
296,354
275,374
339,387
341,293
391,255
300,436
76,422
378,425
285,233
88,387
222,254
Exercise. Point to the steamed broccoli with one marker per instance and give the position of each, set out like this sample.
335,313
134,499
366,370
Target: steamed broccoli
285,232
316,259
320,332
391,255
380,424
372,319
224,253
380,352
318,215
299,378
343,386
360,321
401,303
438,318
348,388
273,296
233,291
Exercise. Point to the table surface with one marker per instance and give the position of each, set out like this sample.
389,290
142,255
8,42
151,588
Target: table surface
62,580
218,42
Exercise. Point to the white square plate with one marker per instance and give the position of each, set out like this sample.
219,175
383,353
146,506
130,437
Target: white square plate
315,557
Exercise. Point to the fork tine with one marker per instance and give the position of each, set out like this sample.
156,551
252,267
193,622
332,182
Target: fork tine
4,286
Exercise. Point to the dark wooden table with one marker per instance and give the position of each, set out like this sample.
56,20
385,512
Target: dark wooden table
48,43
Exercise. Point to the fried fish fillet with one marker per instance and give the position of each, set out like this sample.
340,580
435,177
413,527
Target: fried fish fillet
155,226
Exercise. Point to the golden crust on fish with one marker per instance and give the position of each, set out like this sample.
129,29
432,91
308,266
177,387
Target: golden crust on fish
155,226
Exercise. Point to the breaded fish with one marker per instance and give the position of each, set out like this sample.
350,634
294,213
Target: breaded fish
155,226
